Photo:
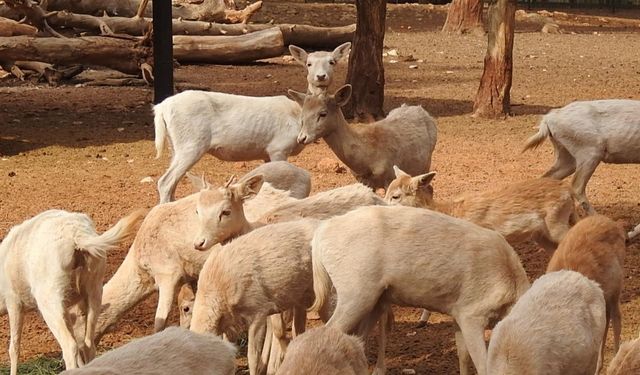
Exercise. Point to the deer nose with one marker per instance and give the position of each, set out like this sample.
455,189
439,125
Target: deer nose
321,77
302,139
199,245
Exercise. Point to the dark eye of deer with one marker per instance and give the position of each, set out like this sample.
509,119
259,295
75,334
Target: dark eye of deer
332,62
395,197
185,309
323,114
196,211
309,64
226,212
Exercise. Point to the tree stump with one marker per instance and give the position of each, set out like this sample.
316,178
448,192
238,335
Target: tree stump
493,97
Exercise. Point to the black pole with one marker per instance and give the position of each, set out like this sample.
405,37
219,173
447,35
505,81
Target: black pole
162,51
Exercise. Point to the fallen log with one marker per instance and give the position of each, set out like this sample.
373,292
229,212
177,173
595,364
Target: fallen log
12,28
119,54
229,49
52,74
206,10
300,35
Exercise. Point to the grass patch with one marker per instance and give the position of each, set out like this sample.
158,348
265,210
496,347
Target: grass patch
37,366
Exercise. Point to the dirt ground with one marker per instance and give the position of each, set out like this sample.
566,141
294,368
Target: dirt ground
88,148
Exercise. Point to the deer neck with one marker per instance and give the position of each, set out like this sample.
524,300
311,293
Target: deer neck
345,142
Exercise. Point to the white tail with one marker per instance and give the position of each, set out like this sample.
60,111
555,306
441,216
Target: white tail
97,246
161,129
538,138
321,282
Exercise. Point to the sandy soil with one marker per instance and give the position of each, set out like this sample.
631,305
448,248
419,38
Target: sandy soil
86,149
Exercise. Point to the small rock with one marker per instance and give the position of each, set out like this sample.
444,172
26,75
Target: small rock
329,165
449,72
392,52
146,180
130,161
269,75
412,333
393,61
414,81
408,371
77,123
288,59
413,66
120,130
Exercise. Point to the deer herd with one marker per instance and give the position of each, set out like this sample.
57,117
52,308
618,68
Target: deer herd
258,254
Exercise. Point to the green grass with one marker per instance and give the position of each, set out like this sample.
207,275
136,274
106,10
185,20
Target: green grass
37,366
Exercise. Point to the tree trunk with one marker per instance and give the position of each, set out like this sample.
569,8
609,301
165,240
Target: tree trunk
464,16
229,49
300,35
119,54
366,71
207,10
492,99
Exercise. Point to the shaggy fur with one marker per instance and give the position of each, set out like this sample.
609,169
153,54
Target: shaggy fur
375,256
596,248
555,328
172,351
264,272
325,351
627,360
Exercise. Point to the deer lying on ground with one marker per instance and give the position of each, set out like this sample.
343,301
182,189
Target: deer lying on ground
319,65
584,133
375,256
596,248
55,262
325,351
172,351
230,127
405,138
555,328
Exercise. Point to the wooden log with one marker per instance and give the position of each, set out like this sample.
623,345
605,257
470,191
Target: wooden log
300,35
12,28
229,49
207,10
119,54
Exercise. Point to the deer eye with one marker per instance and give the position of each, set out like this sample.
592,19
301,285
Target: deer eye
322,114
185,309
309,64
197,211
395,197
332,62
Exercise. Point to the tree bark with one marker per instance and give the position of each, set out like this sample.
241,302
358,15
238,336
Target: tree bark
366,70
119,54
493,97
12,28
464,16
207,10
300,35
229,49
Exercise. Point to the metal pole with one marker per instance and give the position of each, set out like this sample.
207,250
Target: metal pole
162,51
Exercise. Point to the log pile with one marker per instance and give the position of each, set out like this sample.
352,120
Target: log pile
55,38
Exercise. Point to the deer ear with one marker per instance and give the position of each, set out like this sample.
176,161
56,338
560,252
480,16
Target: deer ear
249,188
298,97
343,95
198,183
423,180
341,51
298,54
399,172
